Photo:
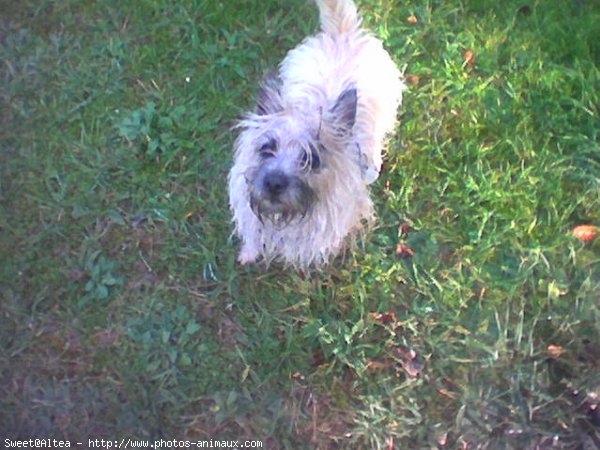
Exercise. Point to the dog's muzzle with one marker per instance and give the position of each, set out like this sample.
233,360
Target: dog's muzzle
275,183
280,198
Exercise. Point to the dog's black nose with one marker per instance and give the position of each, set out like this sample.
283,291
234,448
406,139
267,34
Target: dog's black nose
275,183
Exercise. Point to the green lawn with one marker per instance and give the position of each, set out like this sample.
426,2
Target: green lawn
123,313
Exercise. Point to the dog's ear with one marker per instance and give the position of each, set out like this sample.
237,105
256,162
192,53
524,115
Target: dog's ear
269,97
344,110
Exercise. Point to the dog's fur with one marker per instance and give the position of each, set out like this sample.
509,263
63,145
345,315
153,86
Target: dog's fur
299,186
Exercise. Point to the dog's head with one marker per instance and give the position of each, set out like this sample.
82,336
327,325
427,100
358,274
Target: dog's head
294,154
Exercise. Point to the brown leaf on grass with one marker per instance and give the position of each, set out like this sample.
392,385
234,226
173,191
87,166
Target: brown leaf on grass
446,393
555,351
297,376
586,233
376,365
413,79
413,368
448,387
410,361
404,251
385,318
405,353
470,58
405,228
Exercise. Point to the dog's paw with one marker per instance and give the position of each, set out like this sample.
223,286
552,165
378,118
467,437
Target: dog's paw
247,255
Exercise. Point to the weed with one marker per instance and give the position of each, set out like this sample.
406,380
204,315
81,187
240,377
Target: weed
101,279
155,134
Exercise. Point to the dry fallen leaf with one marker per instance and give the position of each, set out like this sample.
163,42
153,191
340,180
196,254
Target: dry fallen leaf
385,318
554,351
404,228
403,251
446,393
372,364
410,361
413,79
297,376
586,233
469,56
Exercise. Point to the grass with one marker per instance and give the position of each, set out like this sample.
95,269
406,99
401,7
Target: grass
124,314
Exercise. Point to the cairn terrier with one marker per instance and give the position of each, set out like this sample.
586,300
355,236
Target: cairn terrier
304,159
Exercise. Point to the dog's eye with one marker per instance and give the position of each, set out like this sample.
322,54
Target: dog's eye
267,150
311,157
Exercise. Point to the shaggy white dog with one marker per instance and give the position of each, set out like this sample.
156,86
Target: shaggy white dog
304,158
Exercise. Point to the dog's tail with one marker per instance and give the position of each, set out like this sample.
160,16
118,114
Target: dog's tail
338,16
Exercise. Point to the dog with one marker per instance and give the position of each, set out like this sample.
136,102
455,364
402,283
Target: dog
304,158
